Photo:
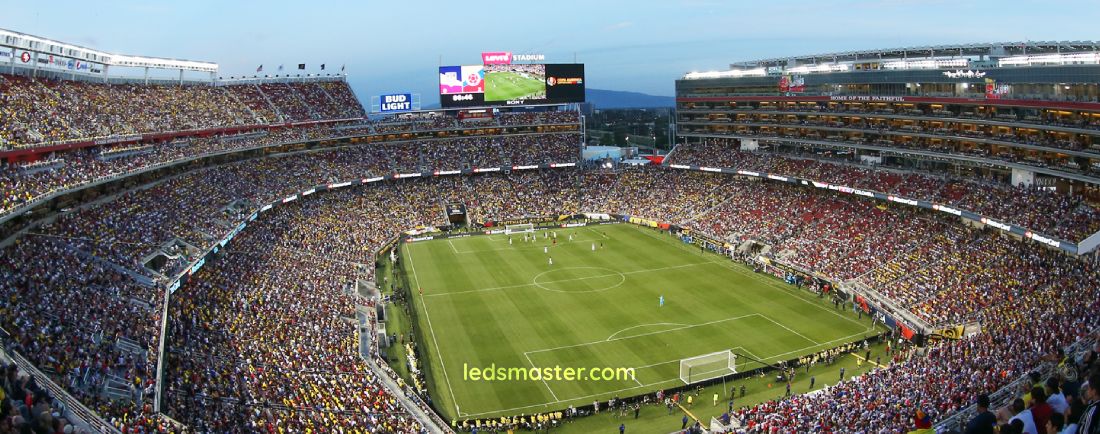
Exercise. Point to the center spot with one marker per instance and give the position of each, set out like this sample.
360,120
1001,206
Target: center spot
579,279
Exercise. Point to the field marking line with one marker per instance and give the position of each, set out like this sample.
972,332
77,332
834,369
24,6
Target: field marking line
674,380
601,234
688,412
644,325
435,341
542,378
763,279
746,350
789,329
608,393
453,247
869,362
735,318
520,246
598,276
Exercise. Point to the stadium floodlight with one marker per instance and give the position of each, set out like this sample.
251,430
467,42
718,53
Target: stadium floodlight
708,366
518,229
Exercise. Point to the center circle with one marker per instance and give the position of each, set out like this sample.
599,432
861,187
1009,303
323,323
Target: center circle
579,280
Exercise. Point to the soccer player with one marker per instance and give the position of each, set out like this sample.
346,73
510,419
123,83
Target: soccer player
545,249
661,301
509,241
551,261
593,247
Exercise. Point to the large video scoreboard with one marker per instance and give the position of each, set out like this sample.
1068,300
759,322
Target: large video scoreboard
500,82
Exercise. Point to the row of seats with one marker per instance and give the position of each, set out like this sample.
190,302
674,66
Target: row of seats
38,111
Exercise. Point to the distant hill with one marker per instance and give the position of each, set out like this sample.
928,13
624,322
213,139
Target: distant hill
614,99
609,99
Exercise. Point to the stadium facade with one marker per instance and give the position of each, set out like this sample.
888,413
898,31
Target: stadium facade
1025,114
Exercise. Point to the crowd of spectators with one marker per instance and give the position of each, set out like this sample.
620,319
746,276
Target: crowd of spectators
1068,217
82,323
24,183
954,129
1019,335
265,339
38,111
26,406
1046,117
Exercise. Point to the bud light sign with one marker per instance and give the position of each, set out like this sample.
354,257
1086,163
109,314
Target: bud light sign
399,102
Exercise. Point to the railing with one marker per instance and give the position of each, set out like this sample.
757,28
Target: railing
1088,152
1006,394
74,408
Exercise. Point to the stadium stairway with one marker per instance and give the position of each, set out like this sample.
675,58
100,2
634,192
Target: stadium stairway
74,410
138,277
668,157
421,416
279,115
117,389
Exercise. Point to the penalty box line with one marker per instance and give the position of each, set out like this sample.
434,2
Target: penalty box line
656,383
798,295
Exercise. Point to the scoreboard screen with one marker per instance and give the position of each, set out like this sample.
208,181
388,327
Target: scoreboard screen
510,84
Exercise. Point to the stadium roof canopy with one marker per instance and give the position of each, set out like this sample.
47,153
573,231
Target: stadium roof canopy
991,50
23,41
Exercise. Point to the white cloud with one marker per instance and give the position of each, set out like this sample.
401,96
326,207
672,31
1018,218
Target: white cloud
619,26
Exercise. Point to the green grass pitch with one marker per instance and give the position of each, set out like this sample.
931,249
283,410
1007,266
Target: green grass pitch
504,86
486,302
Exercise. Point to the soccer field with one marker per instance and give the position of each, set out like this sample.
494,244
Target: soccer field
504,86
487,303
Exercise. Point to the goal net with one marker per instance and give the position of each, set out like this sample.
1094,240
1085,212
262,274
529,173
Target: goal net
518,229
708,366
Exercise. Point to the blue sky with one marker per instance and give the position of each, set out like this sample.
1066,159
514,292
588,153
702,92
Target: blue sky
643,46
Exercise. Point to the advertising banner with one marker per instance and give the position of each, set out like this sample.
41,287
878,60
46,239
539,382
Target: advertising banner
400,102
25,57
496,58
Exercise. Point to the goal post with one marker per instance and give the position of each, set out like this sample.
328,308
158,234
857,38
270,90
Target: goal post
708,366
518,229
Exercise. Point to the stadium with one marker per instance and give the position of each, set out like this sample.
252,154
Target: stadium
880,241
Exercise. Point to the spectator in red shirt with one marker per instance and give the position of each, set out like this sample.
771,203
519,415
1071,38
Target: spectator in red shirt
1040,410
